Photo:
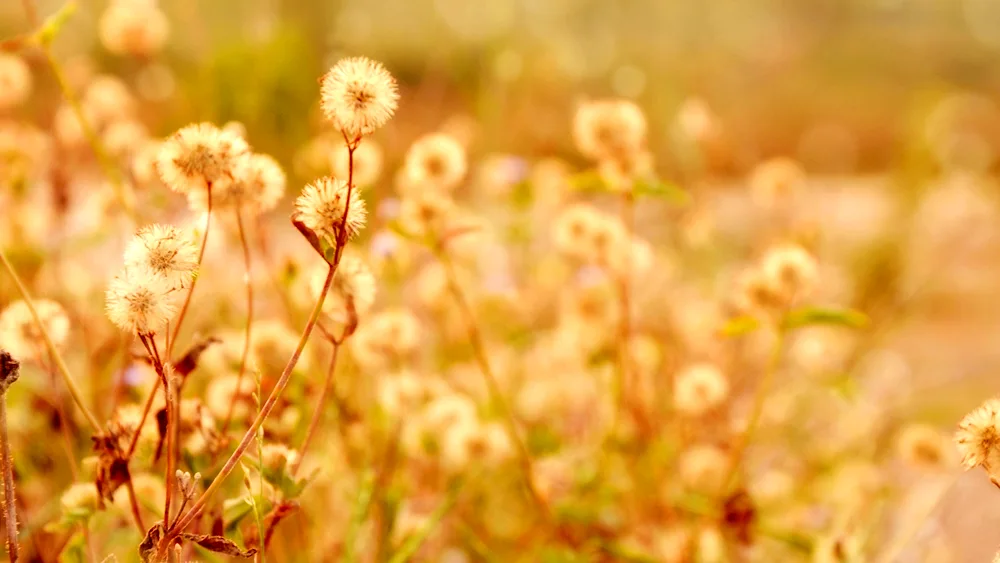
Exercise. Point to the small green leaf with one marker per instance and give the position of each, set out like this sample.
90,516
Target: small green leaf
54,23
739,326
653,187
809,316
589,182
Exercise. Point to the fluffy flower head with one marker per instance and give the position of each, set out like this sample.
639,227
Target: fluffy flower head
978,436
165,251
436,161
15,81
198,155
358,95
323,203
21,336
139,301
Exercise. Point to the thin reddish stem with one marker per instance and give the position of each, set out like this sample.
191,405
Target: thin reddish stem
172,339
247,333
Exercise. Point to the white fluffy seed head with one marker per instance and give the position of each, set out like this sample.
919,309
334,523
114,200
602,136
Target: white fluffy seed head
197,156
140,301
322,205
358,95
166,251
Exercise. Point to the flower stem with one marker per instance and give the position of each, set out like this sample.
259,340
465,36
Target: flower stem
8,482
74,391
251,432
246,335
187,298
743,441
318,411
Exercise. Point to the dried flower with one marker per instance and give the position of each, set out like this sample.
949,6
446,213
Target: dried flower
321,208
256,185
165,251
133,28
775,181
140,301
427,214
703,468
609,129
20,334
699,388
435,161
198,156
15,81
385,338
108,99
790,269
358,95
923,445
978,437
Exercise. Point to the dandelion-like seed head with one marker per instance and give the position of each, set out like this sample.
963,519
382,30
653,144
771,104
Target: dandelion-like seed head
978,437
775,181
256,185
165,251
427,214
140,301
923,445
436,161
133,28
15,81
757,295
20,334
323,203
609,129
791,269
358,95
198,155
699,388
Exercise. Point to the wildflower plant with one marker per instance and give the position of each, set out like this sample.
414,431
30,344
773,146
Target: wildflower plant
562,358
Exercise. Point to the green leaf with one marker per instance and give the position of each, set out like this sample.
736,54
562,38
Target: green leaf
358,515
54,23
810,316
739,326
653,187
75,550
589,182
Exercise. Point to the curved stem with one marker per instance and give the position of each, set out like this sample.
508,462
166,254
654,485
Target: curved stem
246,335
134,503
318,411
142,420
74,391
187,298
774,362
251,432
8,482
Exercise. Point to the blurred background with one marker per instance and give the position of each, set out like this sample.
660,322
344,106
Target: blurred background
843,85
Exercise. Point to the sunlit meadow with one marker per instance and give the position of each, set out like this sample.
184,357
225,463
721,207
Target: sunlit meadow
506,281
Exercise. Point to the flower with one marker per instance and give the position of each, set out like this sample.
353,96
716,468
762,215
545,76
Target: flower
790,269
15,81
702,467
435,161
978,437
133,28
609,129
19,333
427,214
165,251
257,184
198,156
358,95
775,181
139,301
699,388
923,445
321,208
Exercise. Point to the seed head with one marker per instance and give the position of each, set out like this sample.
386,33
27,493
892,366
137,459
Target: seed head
256,186
775,181
427,214
140,301
358,95
165,251
322,205
435,161
20,334
790,269
609,129
699,388
198,156
10,370
15,81
133,28
978,437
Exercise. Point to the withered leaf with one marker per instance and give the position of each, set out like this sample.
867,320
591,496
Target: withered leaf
308,234
112,466
161,428
147,549
189,360
739,514
219,544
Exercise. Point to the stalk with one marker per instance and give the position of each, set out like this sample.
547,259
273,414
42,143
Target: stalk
9,371
247,333
318,411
